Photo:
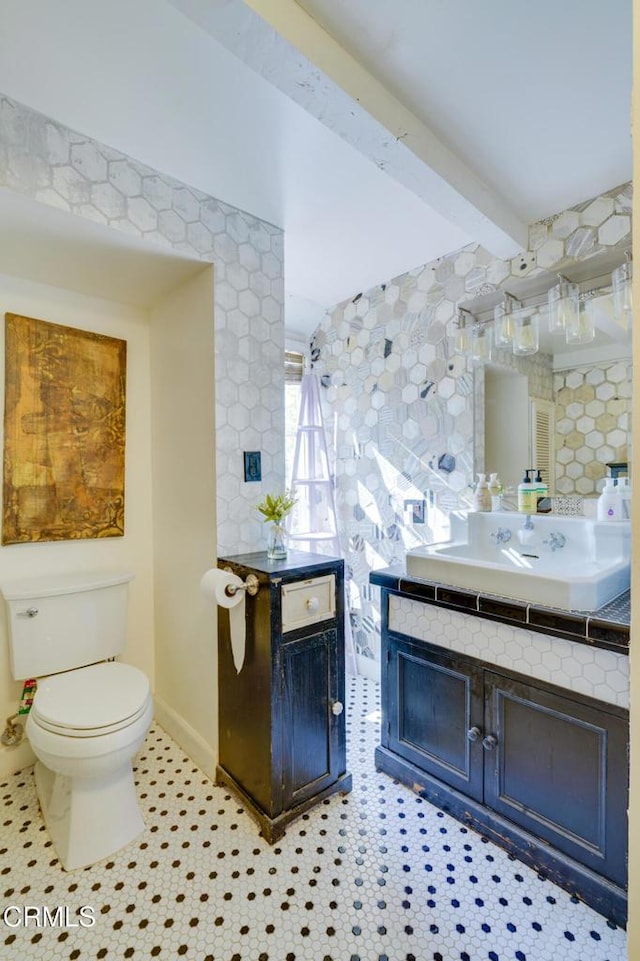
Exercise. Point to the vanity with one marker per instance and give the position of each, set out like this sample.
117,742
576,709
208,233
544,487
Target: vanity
512,716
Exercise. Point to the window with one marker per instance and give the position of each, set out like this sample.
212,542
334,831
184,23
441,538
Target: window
293,371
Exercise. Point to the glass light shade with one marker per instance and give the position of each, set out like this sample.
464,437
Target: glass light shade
526,335
462,343
564,306
503,325
580,328
621,281
482,343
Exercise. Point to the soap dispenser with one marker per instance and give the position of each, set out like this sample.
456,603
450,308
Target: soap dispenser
527,494
481,496
609,506
543,504
495,489
624,492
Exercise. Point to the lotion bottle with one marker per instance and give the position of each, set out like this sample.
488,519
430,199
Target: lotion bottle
542,494
609,503
495,490
624,492
527,494
482,497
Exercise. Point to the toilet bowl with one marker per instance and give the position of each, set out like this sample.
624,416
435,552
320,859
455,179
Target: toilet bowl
85,726
90,713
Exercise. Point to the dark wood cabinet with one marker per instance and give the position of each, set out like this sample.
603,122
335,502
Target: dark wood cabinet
541,770
282,741
557,767
434,699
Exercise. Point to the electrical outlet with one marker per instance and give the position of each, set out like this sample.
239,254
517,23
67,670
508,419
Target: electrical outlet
417,508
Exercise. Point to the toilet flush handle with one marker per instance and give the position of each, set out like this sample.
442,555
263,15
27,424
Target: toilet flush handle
30,612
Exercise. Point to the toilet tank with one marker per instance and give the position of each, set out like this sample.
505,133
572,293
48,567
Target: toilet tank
63,621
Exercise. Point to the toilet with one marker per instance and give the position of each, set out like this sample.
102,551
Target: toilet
90,715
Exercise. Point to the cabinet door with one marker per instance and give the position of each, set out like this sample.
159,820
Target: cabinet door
434,707
314,753
559,769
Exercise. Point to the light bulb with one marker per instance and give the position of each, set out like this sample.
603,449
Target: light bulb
482,343
503,325
564,305
622,289
580,329
525,340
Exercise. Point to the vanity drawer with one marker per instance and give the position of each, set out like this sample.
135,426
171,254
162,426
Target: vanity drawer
308,602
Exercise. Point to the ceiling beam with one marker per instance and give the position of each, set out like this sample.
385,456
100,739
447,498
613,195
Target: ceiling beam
309,65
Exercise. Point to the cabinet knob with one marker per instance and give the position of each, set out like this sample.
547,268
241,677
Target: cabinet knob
489,742
337,707
474,734
313,604
30,612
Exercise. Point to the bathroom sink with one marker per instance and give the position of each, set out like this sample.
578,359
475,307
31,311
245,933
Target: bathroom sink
571,563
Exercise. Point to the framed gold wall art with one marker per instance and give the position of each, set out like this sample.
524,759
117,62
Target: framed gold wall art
64,433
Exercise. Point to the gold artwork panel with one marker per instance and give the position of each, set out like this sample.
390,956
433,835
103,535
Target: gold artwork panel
64,433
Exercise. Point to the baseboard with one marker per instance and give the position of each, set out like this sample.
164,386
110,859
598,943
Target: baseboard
193,744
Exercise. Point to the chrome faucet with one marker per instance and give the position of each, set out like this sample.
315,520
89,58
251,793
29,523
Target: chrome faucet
501,536
556,540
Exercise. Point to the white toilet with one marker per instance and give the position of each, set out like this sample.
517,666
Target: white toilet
89,715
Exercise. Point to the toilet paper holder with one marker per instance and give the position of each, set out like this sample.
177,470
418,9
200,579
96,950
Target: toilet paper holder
251,585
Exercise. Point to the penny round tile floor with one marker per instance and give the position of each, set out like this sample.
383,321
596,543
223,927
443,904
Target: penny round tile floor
377,875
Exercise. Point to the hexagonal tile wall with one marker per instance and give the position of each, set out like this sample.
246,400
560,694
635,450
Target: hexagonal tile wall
60,167
418,421
593,412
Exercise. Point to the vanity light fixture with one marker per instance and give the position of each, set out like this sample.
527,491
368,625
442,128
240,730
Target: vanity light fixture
462,343
564,305
621,287
503,320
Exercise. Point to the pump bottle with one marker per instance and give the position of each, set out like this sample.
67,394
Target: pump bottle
527,494
609,506
495,490
482,497
543,505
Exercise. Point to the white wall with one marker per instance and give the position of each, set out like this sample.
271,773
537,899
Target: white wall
184,505
133,551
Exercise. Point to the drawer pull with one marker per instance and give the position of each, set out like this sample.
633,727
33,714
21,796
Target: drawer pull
489,742
474,734
312,604
337,708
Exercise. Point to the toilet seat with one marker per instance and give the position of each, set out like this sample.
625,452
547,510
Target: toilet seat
91,701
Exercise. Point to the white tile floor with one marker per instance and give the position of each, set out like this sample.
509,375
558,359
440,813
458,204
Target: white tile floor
378,875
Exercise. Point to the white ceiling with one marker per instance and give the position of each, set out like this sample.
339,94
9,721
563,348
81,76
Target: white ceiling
427,125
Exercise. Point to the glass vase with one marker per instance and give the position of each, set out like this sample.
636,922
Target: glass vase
277,543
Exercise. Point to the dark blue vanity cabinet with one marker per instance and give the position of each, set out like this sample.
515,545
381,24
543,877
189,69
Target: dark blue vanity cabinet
541,770
282,741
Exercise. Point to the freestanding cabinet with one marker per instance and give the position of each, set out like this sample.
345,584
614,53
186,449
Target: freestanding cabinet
282,742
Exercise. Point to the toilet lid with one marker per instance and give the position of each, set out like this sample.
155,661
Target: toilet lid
91,698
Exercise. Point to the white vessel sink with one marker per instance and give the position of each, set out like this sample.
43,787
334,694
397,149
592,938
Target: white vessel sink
571,563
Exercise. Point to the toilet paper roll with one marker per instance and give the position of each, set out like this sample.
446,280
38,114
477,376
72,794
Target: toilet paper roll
214,584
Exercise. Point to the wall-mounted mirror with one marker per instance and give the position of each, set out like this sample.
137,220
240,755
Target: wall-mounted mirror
565,408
